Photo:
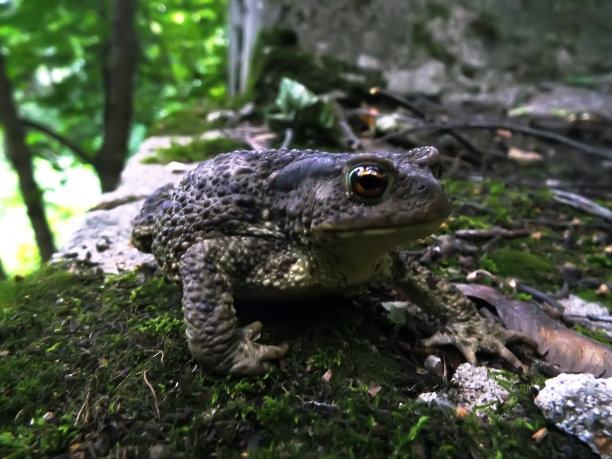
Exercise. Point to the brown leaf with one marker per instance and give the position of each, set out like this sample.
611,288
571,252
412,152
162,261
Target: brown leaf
559,345
540,434
374,390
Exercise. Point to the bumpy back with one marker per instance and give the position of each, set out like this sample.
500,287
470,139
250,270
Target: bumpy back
223,196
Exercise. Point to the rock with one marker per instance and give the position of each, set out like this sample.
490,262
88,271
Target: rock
368,62
576,306
471,388
102,238
434,363
429,79
581,405
562,98
475,386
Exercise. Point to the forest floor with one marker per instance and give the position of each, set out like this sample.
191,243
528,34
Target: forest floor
97,366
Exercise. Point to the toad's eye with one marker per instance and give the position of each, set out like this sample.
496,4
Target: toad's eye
368,181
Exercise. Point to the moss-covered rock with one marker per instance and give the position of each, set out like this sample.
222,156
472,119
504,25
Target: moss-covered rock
195,151
95,366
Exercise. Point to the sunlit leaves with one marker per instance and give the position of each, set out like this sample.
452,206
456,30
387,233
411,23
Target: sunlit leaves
56,56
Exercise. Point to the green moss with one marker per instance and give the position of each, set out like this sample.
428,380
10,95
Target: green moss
195,151
510,262
190,120
102,365
277,54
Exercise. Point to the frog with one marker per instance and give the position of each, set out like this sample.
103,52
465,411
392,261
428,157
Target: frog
291,225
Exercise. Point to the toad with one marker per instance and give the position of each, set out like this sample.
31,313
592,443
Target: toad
283,225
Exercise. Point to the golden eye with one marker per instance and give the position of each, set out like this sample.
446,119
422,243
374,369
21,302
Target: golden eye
368,181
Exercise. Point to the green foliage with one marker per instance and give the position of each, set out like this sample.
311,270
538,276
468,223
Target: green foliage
298,108
521,264
195,151
278,55
56,56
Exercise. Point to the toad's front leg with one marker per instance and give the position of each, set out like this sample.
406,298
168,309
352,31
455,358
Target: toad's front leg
464,327
215,341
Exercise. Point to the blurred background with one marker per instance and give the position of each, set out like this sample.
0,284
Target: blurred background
84,83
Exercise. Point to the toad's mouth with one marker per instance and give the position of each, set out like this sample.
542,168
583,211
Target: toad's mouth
419,222
407,230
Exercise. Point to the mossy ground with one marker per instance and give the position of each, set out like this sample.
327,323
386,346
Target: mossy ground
96,367
558,236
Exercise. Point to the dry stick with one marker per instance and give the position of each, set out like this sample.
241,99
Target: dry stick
288,138
489,233
539,295
590,317
76,150
425,117
85,403
353,141
605,154
144,374
581,203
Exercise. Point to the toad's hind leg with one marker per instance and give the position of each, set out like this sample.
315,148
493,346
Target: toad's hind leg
213,336
464,328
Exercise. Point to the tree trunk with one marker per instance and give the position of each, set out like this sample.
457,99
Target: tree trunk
118,87
2,272
21,158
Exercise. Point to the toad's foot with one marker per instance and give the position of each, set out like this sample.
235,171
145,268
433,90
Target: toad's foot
213,336
465,328
243,357
478,335
251,358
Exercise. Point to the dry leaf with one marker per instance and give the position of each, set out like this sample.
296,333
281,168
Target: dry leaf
540,434
559,345
524,157
374,390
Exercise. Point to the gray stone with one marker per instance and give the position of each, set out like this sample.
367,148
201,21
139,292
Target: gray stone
365,61
581,405
102,238
474,388
428,79
486,46
574,305
560,98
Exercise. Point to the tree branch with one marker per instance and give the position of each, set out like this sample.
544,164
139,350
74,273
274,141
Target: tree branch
20,158
76,150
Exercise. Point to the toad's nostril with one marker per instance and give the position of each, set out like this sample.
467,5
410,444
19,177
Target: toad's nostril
421,187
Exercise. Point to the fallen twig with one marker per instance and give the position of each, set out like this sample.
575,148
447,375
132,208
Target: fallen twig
83,406
425,117
538,295
495,231
581,203
288,138
144,374
445,126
